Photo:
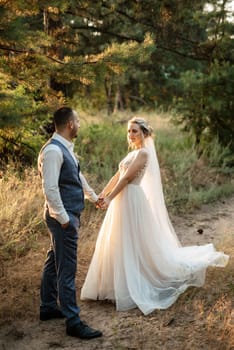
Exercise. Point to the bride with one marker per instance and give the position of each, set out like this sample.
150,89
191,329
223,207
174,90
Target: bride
138,260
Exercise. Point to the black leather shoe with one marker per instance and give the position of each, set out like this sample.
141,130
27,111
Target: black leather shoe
83,331
45,316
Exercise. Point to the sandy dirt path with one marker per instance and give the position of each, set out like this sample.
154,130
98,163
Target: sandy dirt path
186,325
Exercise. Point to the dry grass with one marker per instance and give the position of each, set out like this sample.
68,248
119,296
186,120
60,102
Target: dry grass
20,215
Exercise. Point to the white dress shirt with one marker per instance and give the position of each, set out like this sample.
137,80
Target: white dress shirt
50,161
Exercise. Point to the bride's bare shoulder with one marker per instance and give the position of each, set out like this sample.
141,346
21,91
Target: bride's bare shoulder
143,155
144,152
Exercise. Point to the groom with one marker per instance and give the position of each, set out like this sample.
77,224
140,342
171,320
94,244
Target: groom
63,188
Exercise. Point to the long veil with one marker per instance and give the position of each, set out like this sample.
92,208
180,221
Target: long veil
152,186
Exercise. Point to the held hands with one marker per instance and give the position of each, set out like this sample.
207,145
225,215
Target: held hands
102,202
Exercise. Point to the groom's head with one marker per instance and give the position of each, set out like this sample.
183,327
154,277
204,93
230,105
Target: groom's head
66,122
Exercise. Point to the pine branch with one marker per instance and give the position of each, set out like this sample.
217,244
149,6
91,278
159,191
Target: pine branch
5,48
104,31
30,52
13,142
164,48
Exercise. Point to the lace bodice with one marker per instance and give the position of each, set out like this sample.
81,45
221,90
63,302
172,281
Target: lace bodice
125,163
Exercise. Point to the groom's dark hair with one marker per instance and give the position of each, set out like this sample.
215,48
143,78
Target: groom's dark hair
62,116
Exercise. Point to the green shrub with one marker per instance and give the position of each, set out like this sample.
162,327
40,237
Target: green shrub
100,147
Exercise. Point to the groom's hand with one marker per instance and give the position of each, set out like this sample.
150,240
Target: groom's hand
65,225
99,203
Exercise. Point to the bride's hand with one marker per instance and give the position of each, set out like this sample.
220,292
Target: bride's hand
103,203
106,202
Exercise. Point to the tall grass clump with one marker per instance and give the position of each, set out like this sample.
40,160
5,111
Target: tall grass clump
100,147
219,156
190,179
21,206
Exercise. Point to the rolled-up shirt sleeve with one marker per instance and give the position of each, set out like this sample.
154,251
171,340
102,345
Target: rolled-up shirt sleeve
51,162
88,191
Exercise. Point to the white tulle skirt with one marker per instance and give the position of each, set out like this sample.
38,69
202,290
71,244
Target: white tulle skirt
136,265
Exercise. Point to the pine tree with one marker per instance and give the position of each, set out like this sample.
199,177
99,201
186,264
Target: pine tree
206,104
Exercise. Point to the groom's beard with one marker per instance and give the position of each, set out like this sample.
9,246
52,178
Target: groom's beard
74,133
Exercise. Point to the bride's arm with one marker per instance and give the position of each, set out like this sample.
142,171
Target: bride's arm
110,185
136,166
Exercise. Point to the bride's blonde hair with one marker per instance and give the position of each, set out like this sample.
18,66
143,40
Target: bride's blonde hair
145,127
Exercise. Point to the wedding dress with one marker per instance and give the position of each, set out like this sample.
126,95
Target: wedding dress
138,259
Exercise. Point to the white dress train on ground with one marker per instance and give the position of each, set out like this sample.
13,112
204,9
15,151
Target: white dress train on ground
138,260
